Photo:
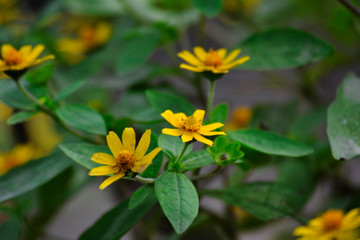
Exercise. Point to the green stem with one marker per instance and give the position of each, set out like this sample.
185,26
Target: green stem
145,180
210,98
208,175
182,152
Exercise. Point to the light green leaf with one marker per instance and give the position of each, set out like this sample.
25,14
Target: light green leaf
282,49
153,169
32,175
116,222
69,90
344,120
172,146
219,113
40,75
178,199
264,200
95,7
82,153
136,49
82,117
210,8
197,160
20,117
270,143
167,101
140,195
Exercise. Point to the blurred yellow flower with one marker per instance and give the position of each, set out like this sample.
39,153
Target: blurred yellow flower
8,11
88,37
240,118
190,127
244,6
14,60
125,157
215,61
333,224
5,112
19,155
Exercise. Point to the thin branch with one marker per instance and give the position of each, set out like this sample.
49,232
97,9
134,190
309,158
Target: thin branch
351,7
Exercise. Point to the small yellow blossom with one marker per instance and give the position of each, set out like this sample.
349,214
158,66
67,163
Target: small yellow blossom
240,118
88,37
125,157
18,156
215,61
14,60
190,127
333,224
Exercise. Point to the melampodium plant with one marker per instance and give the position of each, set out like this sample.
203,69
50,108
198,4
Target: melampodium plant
176,166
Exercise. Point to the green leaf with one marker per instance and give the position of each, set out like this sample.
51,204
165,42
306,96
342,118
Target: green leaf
264,200
135,50
64,93
210,8
20,117
270,143
172,146
167,101
116,222
178,199
82,117
219,113
153,169
12,96
40,75
197,160
82,153
343,120
140,195
32,175
100,8
282,49
11,229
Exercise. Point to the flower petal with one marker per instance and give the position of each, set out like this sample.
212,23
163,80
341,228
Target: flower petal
200,138
232,56
211,133
234,64
40,60
191,68
199,115
304,231
5,48
200,53
129,139
172,132
211,127
147,159
187,136
103,158
171,118
190,58
103,170
114,143
222,53
143,145
25,50
34,54
110,180
352,219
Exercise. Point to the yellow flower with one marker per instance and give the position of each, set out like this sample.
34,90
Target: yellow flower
190,127
8,11
333,224
19,155
213,61
125,157
17,60
241,117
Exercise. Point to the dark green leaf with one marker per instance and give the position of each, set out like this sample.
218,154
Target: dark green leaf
82,153
270,143
167,101
11,229
95,7
343,120
32,175
172,146
219,113
153,169
197,160
210,8
20,117
178,199
140,195
69,90
82,117
264,200
116,222
282,49
40,75
12,96
136,49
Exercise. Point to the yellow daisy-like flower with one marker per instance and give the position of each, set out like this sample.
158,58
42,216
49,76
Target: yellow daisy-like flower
333,224
190,127
125,157
215,61
18,156
240,119
14,60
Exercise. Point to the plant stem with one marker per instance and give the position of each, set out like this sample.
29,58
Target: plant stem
210,174
351,7
182,152
210,98
145,180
